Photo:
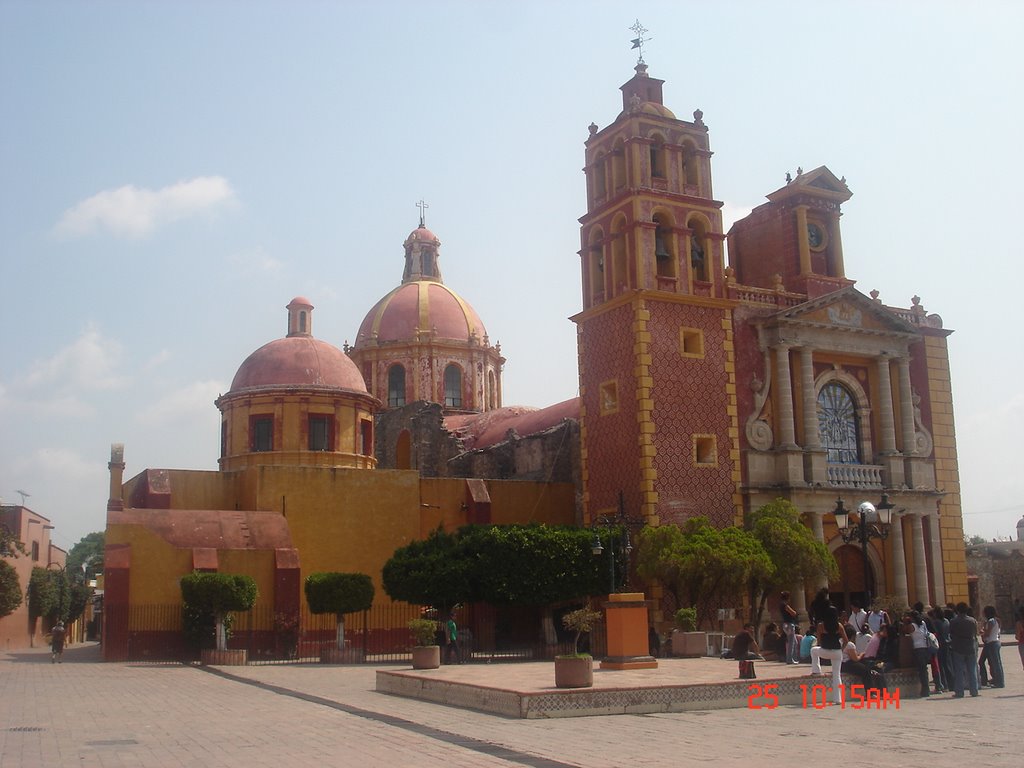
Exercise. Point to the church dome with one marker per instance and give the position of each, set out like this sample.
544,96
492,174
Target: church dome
298,360
420,309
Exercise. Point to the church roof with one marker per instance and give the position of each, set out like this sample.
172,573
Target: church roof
482,430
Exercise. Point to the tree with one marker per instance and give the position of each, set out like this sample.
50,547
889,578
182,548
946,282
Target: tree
10,589
499,564
217,595
339,593
428,572
701,565
43,595
88,552
795,555
10,585
975,539
531,564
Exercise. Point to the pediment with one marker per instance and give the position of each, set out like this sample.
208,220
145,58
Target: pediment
820,182
845,309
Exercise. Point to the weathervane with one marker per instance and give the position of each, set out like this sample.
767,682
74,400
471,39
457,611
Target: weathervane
423,212
638,41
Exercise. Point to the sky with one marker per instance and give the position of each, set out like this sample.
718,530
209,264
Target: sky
173,173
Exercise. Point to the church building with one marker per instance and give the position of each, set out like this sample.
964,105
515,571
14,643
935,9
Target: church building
717,372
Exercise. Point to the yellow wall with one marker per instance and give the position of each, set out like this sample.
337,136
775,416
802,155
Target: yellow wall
947,473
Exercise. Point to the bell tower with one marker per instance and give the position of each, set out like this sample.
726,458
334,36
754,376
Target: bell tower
657,374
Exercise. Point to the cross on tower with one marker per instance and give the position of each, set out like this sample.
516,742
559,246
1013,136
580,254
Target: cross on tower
423,212
638,42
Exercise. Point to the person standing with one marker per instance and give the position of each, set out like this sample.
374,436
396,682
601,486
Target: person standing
1020,634
914,625
451,637
789,627
57,636
831,641
963,649
991,650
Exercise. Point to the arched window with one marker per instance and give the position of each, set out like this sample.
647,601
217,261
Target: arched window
837,422
452,386
302,322
699,251
396,386
664,251
600,190
492,390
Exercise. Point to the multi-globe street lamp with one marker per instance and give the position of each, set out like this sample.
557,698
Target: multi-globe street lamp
610,522
874,521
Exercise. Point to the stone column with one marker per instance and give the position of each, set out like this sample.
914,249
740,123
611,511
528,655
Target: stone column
920,563
812,437
803,244
886,416
899,561
115,501
907,428
815,457
784,399
799,603
836,243
818,529
938,579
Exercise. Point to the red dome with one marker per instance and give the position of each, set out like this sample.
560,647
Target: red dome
423,305
424,234
298,361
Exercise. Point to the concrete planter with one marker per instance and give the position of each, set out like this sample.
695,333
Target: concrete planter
426,657
691,644
573,672
233,657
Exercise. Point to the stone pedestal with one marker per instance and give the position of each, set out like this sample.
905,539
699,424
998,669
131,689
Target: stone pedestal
233,657
342,656
626,625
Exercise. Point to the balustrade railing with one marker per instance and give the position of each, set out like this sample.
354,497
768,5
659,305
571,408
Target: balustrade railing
855,475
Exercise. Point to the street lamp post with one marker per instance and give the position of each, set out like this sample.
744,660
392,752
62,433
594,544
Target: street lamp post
610,521
874,521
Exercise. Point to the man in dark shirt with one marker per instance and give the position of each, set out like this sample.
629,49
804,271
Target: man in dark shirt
963,648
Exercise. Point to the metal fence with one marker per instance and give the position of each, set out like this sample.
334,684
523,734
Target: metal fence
156,633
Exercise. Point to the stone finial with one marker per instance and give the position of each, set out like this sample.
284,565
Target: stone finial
592,128
799,171
789,177
698,117
874,295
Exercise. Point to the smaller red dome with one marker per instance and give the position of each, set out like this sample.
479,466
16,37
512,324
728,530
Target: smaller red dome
423,234
298,361
300,301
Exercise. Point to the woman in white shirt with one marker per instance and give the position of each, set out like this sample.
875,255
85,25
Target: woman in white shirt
913,625
991,650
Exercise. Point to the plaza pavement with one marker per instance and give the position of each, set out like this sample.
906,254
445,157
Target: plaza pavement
87,713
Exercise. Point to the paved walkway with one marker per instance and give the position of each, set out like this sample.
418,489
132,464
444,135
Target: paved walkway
86,713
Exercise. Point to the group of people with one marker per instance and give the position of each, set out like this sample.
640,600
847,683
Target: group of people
867,644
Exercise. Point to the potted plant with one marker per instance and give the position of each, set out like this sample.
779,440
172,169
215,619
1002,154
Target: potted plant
576,670
338,593
686,641
426,653
219,595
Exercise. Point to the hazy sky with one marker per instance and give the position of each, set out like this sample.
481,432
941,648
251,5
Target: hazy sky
172,174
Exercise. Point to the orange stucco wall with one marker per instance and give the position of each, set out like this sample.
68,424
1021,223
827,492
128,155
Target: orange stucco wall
347,520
